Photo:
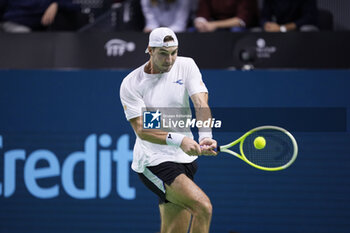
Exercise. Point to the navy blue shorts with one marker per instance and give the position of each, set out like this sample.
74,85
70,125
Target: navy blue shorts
155,177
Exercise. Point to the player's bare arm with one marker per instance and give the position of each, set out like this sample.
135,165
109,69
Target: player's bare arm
188,145
203,113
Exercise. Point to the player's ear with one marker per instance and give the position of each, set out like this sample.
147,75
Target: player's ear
150,50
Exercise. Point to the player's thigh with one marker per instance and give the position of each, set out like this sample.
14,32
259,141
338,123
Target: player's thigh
184,192
174,218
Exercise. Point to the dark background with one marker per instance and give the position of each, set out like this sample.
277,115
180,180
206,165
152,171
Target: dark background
220,50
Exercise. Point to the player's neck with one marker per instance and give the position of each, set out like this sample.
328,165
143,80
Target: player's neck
149,69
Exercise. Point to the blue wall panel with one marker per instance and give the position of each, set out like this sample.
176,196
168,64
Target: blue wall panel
65,151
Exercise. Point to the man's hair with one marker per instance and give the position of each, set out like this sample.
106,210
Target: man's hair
168,38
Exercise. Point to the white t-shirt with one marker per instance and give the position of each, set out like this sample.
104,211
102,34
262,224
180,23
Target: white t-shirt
140,90
173,15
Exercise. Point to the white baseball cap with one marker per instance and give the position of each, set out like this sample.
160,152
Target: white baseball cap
156,38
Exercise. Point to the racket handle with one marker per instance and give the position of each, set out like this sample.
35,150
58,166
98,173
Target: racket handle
217,149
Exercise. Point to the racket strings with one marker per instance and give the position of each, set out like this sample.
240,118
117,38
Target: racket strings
277,152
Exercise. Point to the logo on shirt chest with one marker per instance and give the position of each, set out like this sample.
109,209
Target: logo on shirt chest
179,81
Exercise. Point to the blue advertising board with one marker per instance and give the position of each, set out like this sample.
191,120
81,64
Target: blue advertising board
66,151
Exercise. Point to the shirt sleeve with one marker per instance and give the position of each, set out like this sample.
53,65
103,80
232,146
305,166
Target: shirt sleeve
131,100
248,12
149,14
203,10
181,16
194,83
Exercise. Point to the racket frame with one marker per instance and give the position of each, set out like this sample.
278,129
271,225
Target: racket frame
241,156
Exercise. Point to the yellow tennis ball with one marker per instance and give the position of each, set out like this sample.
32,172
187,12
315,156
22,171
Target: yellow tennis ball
259,143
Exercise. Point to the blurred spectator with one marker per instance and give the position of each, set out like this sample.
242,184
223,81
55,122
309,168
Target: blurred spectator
289,15
127,15
168,13
226,14
32,15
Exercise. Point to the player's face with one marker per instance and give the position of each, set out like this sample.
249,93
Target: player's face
163,58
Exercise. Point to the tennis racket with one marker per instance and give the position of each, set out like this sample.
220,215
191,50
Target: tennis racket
279,151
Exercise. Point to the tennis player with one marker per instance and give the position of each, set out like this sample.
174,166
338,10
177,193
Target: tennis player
166,161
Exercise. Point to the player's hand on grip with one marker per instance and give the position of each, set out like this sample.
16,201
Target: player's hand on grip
207,146
190,147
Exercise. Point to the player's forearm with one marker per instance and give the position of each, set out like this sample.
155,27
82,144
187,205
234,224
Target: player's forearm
203,113
153,135
200,103
156,136
166,138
